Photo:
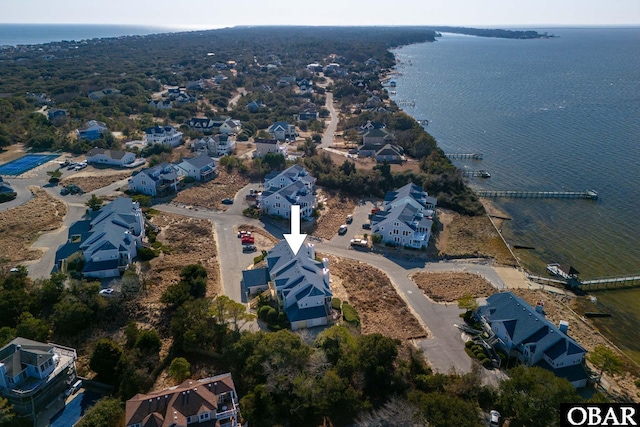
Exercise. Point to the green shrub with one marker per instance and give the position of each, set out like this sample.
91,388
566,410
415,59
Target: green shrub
251,212
487,363
263,311
146,254
350,314
336,303
470,353
6,197
469,344
258,259
272,316
376,238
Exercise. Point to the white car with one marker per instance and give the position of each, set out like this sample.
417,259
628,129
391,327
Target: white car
106,292
494,418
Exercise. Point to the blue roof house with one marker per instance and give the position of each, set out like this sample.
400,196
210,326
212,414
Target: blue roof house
523,332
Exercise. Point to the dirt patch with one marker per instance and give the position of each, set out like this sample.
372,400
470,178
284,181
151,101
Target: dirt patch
20,226
244,147
264,239
375,299
92,182
11,152
471,236
210,194
336,208
450,287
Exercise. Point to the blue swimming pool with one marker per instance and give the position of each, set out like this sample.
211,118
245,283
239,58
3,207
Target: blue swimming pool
75,409
25,163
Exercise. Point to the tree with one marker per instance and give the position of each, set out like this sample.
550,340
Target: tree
55,176
149,342
104,359
107,412
468,302
6,412
94,203
225,310
605,359
31,328
180,369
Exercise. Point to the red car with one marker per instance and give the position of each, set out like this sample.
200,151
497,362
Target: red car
247,240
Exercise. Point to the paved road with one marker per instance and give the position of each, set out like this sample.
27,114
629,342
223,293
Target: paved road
327,137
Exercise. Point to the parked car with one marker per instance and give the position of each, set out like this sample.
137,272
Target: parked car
64,191
366,226
247,239
360,242
242,233
227,201
106,292
494,418
349,219
248,248
342,230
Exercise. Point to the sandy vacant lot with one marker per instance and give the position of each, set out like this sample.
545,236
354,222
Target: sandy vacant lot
336,208
450,287
210,194
90,181
20,226
375,299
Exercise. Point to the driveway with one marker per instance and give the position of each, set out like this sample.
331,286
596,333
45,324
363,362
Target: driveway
327,137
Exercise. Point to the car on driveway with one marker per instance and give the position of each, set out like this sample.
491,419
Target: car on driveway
343,229
227,201
243,233
247,240
248,248
349,219
106,292
366,226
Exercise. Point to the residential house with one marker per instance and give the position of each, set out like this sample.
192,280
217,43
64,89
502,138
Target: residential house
314,67
92,130
372,125
264,146
40,98
217,146
102,93
167,135
377,136
389,153
278,201
219,79
107,241
305,86
220,66
101,156
403,225
286,81
160,104
299,283
307,115
373,102
173,92
524,333
288,176
411,194
184,98
209,401
231,126
158,180
201,167
203,124
56,114
283,131
33,375
5,188
255,106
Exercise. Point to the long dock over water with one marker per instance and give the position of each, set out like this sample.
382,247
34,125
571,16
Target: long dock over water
473,156
588,194
605,283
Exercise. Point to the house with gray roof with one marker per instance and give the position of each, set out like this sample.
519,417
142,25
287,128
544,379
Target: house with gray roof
413,195
524,333
33,374
108,240
299,283
265,146
98,94
217,145
283,131
155,181
167,135
389,153
288,176
278,201
92,130
201,167
403,225
100,156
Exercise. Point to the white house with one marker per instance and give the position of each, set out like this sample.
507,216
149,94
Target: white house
160,104
295,173
217,146
403,225
231,126
278,201
101,156
92,130
264,146
158,180
283,131
201,167
108,241
413,195
524,333
167,135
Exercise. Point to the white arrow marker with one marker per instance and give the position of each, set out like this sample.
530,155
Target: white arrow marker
295,239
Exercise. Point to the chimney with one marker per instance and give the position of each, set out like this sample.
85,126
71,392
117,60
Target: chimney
325,262
325,275
564,327
311,250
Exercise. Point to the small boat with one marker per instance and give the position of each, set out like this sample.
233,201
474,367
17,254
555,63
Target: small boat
484,174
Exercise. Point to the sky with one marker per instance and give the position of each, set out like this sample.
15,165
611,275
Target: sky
200,14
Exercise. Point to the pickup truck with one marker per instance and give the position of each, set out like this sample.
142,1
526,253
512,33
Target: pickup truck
360,242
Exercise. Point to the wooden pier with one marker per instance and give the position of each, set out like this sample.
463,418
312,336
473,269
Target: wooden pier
605,283
480,173
405,103
473,156
588,194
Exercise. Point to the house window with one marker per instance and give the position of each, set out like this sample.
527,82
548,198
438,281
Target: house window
144,182
405,233
277,205
204,417
395,231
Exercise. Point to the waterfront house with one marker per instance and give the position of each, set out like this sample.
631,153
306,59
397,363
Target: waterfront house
264,146
201,167
100,156
372,125
377,136
92,130
94,96
524,333
108,241
166,135
389,153
403,225
33,375
158,180
299,283
411,194
275,179
208,402
278,201
283,131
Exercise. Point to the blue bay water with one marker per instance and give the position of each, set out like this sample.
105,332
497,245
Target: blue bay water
15,34
551,114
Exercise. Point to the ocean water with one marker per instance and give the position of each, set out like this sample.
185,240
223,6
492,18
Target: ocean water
552,114
15,34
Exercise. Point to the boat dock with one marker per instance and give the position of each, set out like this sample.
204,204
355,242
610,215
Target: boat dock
601,284
473,156
588,194
405,103
480,173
